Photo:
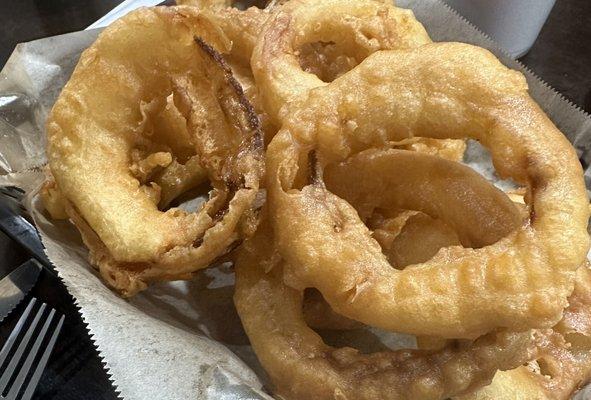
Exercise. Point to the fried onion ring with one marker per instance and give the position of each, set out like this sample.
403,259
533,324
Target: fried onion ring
521,281
302,366
303,36
388,27
564,363
479,214
103,160
409,237
357,28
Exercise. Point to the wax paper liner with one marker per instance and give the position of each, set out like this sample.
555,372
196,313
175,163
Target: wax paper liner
184,340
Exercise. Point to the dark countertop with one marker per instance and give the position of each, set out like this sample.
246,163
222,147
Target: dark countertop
25,20
561,56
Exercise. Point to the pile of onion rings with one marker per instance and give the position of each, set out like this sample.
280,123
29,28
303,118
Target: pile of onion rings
331,135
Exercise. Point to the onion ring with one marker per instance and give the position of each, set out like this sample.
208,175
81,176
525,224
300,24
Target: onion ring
463,293
301,365
359,28
412,236
95,128
346,33
564,364
409,237
388,27
406,238
479,213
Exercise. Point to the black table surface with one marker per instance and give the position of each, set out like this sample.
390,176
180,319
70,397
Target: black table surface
561,56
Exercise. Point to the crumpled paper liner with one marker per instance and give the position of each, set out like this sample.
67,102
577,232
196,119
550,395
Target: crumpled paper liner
184,340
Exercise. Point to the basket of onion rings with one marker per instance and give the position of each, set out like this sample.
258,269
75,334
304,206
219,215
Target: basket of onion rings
321,145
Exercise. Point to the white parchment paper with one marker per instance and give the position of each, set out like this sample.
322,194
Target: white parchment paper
182,340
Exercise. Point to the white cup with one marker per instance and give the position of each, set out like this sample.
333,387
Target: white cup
513,24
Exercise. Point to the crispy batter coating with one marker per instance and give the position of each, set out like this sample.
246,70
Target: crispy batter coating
476,211
564,364
302,366
370,217
353,28
451,149
407,238
461,292
113,140
206,4
330,56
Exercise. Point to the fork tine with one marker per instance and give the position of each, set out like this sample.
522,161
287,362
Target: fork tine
41,365
9,371
20,379
13,335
